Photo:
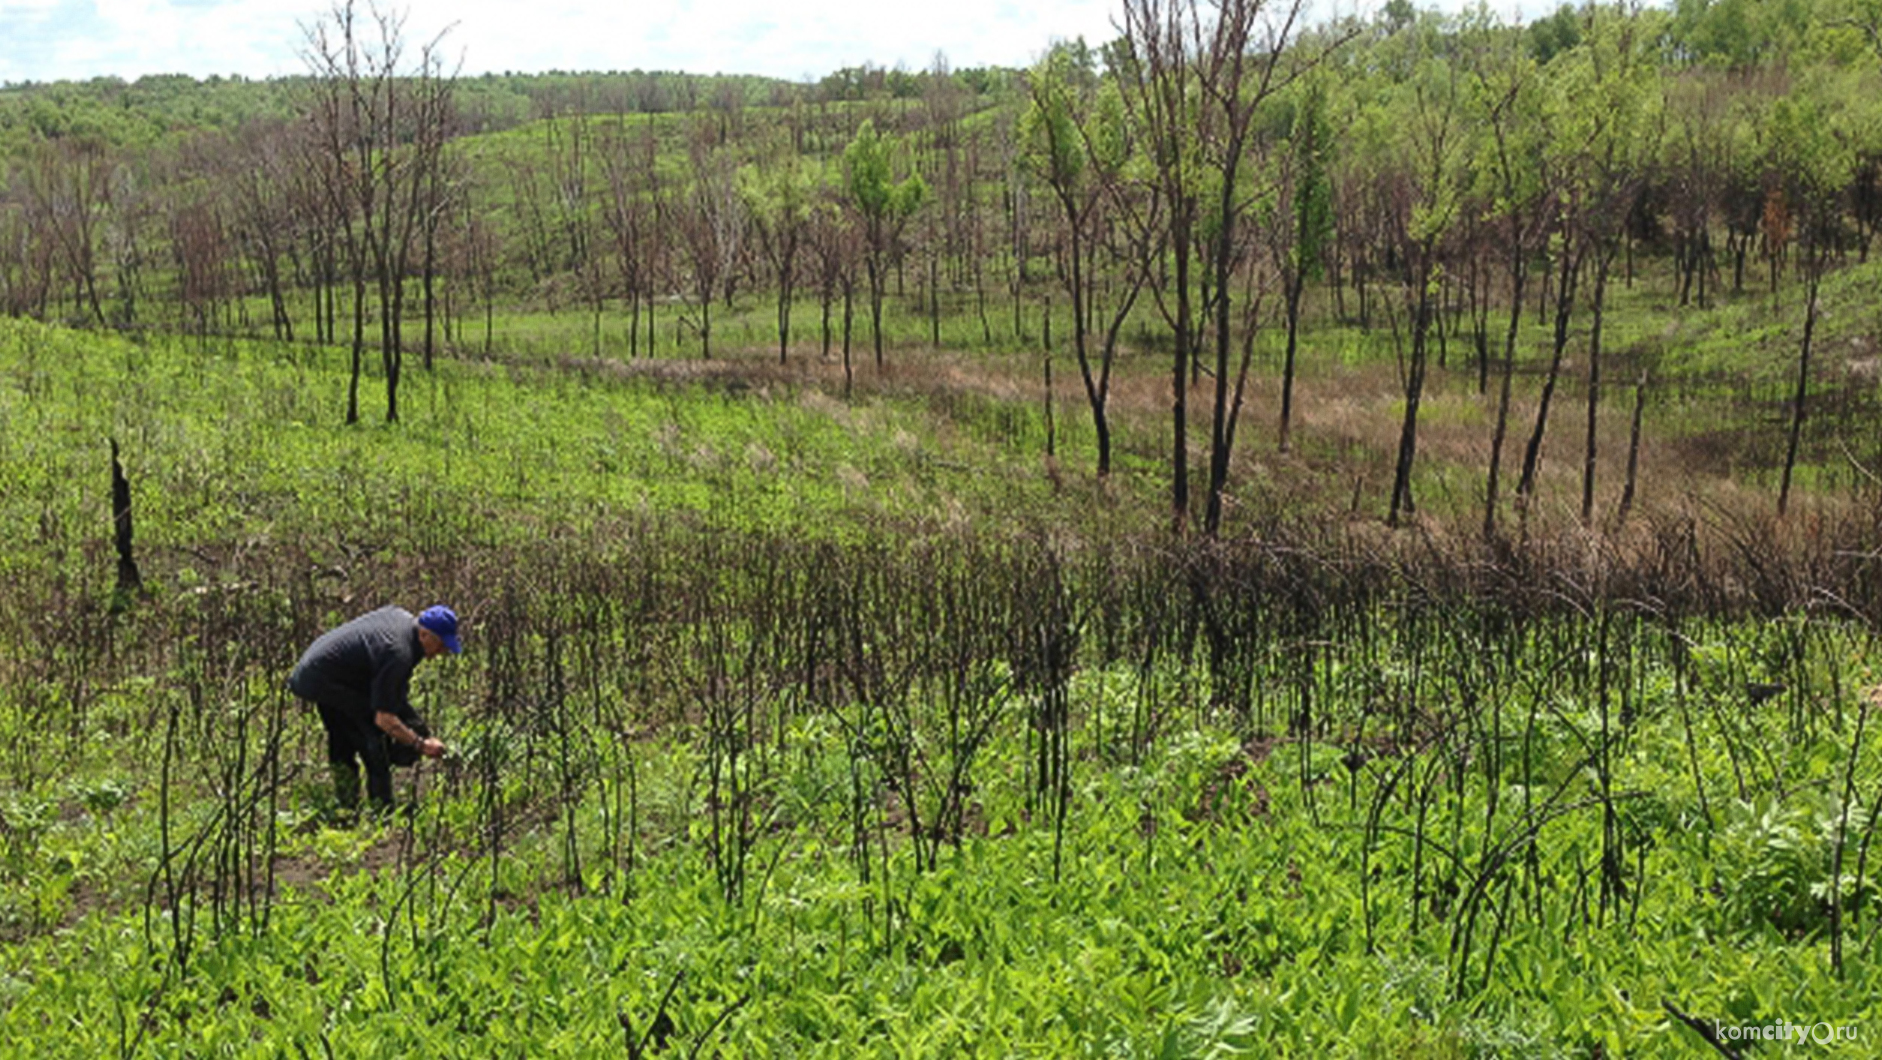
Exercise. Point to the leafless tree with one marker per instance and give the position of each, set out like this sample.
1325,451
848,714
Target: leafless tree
630,213
260,184
200,247
69,183
382,127
712,228
26,257
1157,72
1194,74
835,247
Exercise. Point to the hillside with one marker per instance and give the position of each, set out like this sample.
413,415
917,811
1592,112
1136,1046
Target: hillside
1363,544
626,216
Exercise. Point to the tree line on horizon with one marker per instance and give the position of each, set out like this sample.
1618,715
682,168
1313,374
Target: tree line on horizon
138,115
1219,171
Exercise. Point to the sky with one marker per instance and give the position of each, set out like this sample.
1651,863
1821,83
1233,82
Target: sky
50,40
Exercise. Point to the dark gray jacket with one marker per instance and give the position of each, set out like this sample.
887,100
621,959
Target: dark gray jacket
363,667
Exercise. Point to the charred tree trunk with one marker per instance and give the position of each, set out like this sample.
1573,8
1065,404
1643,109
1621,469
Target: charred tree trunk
359,339
934,304
1297,283
1633,453
1564,303
1480,324
1605,257
1414,393
430,293
849,317
130,582
1179,390
874,268
1518,275
1803,383
1045,324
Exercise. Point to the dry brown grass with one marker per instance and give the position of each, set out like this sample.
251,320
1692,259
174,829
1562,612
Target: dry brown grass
1345,436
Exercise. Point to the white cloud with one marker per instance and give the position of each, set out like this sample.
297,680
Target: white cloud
757,36
77,39
12,10
54,39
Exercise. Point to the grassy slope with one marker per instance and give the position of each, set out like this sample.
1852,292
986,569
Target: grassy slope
1242,925
235,440
1720,377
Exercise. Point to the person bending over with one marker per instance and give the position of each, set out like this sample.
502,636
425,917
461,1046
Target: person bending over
359,676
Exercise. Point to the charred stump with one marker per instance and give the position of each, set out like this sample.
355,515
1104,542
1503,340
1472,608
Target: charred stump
130,582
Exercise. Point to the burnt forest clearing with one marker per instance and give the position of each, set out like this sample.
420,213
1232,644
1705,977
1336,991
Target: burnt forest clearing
1257,537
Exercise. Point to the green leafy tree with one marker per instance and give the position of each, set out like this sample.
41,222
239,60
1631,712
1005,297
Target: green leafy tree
1309,224
1062,91
884,204
1603,120
1509,176
1554,34
1435,147
1617,113
780,196
1739,34
1807,152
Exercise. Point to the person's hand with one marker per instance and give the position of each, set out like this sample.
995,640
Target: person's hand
431,747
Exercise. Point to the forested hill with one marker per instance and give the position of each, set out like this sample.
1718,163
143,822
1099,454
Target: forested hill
132,114
1719,34
142,113
1672,206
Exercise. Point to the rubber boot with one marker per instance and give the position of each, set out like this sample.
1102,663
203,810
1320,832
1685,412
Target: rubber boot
379,789
378,775
345,786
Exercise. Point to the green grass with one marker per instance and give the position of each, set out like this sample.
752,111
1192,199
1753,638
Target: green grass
1297,823
233,441
1207,901
1720,380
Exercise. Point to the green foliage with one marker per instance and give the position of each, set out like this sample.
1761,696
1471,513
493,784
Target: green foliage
1743,33
781,192
253,440
162,110
869,177
1776,861
1554,34
1311,145
140,114
1813,146
1049,127
801,727
1210,905
1221,886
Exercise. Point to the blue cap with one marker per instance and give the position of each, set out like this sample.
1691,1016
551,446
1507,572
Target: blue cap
443,621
